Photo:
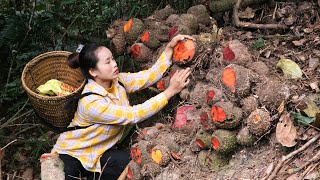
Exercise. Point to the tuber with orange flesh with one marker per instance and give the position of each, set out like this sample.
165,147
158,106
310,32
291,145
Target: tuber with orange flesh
133,171
141,53
211,160
225,115
140,152
203,139
224,141
160,154
237,79
132,29
184,51
259,122
149,39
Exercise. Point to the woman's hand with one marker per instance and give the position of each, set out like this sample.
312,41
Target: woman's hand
174,41
178,82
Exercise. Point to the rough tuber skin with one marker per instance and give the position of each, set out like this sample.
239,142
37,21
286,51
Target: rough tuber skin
224,141
245,138
259,122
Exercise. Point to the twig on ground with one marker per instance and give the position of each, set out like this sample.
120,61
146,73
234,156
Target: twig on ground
104,166
8,144
315,158
15,118
239,23
290,155
311,168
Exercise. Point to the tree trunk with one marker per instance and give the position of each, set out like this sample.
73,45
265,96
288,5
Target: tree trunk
226,5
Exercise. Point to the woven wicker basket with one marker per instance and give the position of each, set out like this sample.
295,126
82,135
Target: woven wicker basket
38,71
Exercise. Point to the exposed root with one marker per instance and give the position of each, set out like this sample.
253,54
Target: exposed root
290,155
239,23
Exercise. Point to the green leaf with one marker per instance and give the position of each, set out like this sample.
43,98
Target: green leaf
40,7
302,119
290,69
259,44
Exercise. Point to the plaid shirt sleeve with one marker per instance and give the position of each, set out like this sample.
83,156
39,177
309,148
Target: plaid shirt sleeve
103,111
143,79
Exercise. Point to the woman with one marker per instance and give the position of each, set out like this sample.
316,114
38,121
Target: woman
105,114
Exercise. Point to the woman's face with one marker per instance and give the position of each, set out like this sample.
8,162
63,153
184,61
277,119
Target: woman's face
106,68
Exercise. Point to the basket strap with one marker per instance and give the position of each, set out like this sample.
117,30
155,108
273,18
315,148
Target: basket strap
80,97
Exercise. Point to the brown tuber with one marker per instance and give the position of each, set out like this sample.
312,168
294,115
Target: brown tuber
259,122
164,13
245,138
190,21
206,122
150,170
141,53
272,92
118,44
134,171
236,53
211,160
224,141
201,13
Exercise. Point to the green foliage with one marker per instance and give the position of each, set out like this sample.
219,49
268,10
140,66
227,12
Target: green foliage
259,44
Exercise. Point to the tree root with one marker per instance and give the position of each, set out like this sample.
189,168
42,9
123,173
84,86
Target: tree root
290,155
239,23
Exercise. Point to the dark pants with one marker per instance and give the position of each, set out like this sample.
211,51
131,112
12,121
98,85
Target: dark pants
116,161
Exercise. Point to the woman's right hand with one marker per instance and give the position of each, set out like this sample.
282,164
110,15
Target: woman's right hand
178,82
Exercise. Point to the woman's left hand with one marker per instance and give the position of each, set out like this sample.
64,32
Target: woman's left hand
174,41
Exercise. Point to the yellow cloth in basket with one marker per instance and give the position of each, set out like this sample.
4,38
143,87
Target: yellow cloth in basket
55,87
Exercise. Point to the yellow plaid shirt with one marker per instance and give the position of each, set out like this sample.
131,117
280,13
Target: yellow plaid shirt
109,114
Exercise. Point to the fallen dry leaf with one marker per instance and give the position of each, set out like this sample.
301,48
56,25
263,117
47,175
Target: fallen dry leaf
281,107
286,132
300,42
248,13
290,69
